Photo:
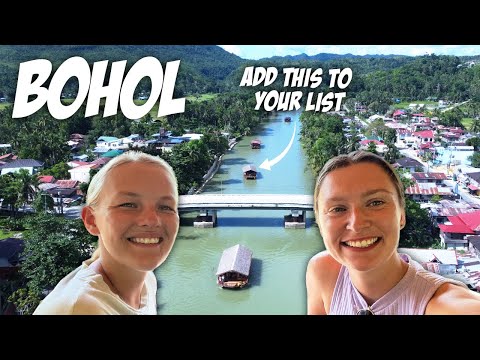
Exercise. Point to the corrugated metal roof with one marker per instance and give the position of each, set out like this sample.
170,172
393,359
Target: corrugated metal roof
236,258
429,176
408,162
457,226
472,220
427,189
66,184
249,168
22,163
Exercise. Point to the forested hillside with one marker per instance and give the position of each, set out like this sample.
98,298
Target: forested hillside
381,80
202,69
378,81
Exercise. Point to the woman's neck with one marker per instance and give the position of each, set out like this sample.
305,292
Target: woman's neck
374,284
124,282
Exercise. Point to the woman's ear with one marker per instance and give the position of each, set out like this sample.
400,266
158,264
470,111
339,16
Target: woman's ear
402,220
319,228
88,217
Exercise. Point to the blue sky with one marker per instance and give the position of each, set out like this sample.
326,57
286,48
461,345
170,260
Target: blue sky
255,52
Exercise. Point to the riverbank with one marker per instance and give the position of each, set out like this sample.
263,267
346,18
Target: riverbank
188,281
213,169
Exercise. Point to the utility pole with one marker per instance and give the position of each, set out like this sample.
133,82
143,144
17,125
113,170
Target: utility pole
60,202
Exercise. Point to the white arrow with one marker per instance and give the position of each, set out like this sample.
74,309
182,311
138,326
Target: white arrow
267,164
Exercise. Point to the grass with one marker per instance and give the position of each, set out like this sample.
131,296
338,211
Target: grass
6,234
467,122
405,104
3,105
203,97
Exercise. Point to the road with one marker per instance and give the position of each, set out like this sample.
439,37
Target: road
72,212
454,106
463,192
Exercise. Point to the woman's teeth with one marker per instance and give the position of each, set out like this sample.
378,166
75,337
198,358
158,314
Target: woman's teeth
145,240
362,243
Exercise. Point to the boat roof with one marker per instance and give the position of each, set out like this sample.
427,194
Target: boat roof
249,168
236,258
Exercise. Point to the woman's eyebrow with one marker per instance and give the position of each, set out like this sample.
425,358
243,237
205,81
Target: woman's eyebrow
136,195
374,191
364,194
127,193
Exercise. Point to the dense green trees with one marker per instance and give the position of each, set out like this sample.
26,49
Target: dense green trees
18,188
475,159
202,68
322,138
58,171
39,136
418,231
10,188
230,112
452,117
475,142
54,246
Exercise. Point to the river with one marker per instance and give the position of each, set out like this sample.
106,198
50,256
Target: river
187,281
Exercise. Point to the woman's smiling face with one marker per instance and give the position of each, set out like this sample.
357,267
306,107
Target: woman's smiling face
136,216
359,215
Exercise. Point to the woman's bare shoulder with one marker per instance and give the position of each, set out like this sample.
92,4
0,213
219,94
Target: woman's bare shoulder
451,299
323,260
324,267
322,273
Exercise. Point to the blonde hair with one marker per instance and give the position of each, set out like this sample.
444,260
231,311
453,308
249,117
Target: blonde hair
97,182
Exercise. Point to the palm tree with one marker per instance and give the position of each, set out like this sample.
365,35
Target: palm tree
475,126
29,185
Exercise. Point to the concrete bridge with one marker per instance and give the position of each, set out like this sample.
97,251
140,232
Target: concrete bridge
208,204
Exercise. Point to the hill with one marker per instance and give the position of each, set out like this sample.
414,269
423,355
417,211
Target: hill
202,69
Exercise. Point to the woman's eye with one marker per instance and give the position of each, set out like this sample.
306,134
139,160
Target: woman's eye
336,209
376,203
128,205
166,208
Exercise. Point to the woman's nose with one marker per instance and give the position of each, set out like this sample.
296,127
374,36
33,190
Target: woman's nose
358,220
149,216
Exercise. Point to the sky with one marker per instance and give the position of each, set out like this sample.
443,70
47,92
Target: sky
254,52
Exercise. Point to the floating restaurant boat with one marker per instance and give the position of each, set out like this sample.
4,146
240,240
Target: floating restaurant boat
249,172
234,267
256,144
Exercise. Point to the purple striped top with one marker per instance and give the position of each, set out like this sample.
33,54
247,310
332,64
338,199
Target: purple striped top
409,297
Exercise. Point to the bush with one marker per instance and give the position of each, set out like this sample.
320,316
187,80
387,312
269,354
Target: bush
12,224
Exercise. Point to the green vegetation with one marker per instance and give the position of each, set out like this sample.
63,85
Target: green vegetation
405,104
3,105
202,69
205,69
55,246
466,122
202,97
43,138
6,234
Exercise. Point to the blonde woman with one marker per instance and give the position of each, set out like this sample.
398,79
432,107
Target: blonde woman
132,207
